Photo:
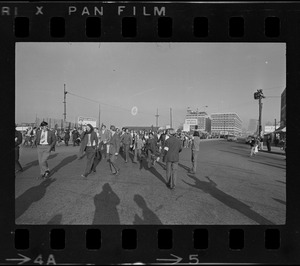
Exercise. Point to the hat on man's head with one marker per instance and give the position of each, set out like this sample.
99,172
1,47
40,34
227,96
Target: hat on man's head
113,128
44,124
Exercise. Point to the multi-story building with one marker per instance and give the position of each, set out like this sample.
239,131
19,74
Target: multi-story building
283,109
200,119
226,124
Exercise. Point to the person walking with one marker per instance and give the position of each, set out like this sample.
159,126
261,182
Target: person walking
45,142
172,148
67,137
104,136
254,146
113,150
75,136
18,142
126,141
151,150
138,146
195,151
89,145
269,143
162,140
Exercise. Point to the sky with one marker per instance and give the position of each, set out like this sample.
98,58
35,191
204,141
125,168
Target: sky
115,77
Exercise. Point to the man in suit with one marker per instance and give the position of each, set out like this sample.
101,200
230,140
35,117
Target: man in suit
45,142
18,141
172,148
104,136
126,141
113,150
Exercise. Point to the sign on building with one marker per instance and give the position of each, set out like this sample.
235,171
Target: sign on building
191,121
186,127
269,129
87,120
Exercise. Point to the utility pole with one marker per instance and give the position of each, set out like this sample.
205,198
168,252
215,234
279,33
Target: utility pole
197,121
99,118
157,117
259,96
65,105
275,124
171,118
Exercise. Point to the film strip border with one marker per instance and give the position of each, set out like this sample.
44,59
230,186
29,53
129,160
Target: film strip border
153,22
146,22
151,246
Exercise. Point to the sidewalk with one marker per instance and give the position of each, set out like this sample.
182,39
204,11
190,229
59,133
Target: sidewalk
274,149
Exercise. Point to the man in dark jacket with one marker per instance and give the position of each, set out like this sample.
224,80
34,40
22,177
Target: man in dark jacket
172,148
67,137
151,150
113,150
75,136
126,141
18,141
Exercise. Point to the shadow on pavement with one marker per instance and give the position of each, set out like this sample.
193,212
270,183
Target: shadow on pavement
34,194
152,170
280,201
149,217
63,163
274,152
36,162
269,164
106,203
56,219
211,188
162,165
240,154
184,167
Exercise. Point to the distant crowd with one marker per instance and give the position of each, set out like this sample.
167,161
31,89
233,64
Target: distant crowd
72,136
94,144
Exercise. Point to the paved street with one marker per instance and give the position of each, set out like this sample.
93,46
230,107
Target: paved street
228,188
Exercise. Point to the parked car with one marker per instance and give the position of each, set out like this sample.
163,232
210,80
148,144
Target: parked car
231,138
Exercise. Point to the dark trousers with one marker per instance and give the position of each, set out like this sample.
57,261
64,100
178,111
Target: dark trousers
150,158
137,154
126,151
17,157
67,142
97,159
103,149
172,168
269,146
112,162
90,155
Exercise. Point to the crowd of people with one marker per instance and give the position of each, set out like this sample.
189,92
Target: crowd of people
94,144
152,146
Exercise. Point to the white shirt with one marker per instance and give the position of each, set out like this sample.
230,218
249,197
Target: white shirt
89,141
44,137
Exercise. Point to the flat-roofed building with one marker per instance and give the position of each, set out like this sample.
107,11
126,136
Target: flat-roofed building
226,124
200,119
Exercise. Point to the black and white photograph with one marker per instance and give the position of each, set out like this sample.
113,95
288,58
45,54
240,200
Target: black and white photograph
144,133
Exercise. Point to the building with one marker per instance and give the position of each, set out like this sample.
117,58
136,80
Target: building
226,124
283,109
195,118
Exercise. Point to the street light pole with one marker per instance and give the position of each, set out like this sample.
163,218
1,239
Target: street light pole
259,96
65,105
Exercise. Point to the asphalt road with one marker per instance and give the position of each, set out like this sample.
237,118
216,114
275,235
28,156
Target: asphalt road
229,188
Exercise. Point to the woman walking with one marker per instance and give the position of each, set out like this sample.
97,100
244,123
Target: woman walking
89,145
